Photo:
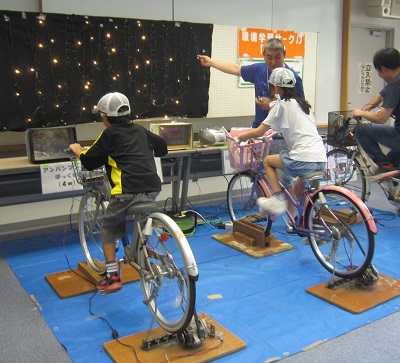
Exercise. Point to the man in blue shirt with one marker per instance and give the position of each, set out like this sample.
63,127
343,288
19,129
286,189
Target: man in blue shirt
371,136
258,74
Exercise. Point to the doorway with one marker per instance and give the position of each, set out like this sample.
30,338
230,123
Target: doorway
364,81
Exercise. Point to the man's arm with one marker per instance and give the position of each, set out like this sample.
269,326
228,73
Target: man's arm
264,103
379,117
226,67
373,103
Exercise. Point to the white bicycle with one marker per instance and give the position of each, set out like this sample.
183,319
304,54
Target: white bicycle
158,250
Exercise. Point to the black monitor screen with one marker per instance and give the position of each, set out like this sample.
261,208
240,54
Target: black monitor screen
49,144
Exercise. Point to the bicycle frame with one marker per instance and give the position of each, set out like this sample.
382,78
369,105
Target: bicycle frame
306,198
262,179
369,172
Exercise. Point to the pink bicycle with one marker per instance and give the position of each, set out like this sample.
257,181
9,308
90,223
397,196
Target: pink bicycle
339,227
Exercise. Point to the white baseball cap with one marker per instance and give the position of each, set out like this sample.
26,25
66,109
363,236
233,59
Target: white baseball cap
111,103
282,77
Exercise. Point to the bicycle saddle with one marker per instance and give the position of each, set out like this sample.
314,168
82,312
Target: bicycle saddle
143,208
312,175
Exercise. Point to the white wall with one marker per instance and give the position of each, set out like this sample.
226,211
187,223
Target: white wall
321,16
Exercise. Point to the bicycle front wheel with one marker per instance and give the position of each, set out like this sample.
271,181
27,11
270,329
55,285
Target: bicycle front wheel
344,172
242,195
91,212
169,288
349,247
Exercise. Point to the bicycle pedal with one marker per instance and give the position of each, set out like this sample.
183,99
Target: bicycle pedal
290,230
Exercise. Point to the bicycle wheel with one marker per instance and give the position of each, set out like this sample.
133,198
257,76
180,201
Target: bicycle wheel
169,289
344,172
349,249
242,195
91,212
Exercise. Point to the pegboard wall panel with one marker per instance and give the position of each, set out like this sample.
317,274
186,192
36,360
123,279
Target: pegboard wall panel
226,99
310,68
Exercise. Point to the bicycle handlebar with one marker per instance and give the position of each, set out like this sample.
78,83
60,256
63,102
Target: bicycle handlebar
268,137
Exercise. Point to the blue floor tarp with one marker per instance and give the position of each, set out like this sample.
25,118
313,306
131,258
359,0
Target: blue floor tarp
264,301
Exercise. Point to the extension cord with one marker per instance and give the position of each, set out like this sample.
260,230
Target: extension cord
186,221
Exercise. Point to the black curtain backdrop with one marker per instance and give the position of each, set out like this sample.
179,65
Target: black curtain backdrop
56,67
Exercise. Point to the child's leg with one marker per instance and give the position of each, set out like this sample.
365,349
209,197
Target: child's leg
272,162
277,204
299,188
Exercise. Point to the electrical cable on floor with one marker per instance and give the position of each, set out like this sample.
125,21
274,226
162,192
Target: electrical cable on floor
207,218
114,332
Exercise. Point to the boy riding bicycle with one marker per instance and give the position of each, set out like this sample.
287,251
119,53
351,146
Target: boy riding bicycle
127,150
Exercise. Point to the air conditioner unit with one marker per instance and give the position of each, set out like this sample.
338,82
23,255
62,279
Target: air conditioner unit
384,8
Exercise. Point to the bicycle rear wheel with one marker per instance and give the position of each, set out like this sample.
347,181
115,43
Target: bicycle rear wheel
242,195
91,212
348,251
344,172
169,289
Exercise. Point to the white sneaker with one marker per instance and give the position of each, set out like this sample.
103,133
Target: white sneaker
272,205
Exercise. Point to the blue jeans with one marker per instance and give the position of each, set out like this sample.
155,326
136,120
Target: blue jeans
299,168
371,135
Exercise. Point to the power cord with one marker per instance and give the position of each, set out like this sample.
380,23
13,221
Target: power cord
114,332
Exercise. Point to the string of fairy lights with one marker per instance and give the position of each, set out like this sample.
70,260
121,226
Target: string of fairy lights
58,66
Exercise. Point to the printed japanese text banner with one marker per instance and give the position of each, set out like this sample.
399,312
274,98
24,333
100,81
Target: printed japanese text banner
252,40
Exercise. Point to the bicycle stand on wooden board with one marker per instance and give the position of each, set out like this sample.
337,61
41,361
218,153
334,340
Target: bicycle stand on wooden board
355,295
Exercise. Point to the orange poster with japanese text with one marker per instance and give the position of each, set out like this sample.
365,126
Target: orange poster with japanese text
252,40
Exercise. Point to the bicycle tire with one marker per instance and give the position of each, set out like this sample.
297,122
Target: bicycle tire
170,289
242,195
349,251
341,171
91,212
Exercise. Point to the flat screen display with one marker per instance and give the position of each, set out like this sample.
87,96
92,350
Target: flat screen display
49,144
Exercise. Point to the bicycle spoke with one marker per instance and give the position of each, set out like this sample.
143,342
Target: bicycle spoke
168,289
346,249
342,170
91,211
242,195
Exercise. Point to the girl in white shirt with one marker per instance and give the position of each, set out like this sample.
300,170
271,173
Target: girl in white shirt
290,115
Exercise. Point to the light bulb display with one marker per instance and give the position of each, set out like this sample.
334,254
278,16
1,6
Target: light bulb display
55,67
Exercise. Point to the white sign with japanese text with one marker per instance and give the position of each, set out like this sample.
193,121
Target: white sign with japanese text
365,77
58,177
